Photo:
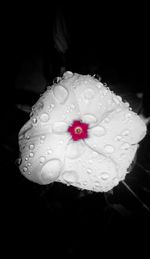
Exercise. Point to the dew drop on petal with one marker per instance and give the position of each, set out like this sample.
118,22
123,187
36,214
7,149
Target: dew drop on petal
42,159
98,131
128,115
27,136
99,85
20,137
125,146
116,99
31,146
104,176
31,154
125,133
25,169
109,149
44,117
96,184
34,120
89,171
89,118
67,74
85,183
60,93
70,176
42,137
18,161
51,171
90,161
118,138
49,151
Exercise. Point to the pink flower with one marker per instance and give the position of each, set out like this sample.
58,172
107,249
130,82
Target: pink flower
78,130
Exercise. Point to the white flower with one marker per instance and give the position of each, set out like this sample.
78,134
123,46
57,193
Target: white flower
80,133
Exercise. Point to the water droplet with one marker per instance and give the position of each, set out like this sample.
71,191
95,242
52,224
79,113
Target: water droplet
118,138
28,164
36,108
126,104
89,118
25,169
104,176
42,137
31,146
119,98
84,183
42,159
74,86
50,107
27,136
67,74
116,99
98,131
26,159
29,172
125,133
96,184
31,154
44,117
60,93
99,85
20,137
105,91
109,149
94,146
18,161
128,115
125,146
89,94
34,120
70,176
56,80
51,171
89,171
49,151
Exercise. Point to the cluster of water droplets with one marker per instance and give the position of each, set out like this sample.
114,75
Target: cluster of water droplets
43,112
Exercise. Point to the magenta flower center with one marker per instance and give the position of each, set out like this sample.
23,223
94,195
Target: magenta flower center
78,130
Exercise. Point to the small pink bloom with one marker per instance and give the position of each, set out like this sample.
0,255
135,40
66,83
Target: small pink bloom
78,130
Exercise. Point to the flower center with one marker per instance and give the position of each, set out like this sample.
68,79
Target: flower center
78,130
